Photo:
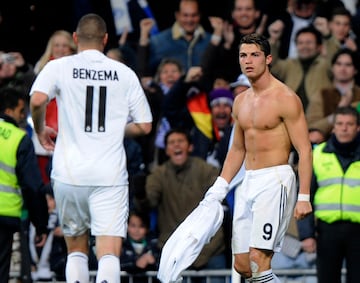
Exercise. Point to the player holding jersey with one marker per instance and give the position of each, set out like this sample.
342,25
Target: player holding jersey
96,97
269,119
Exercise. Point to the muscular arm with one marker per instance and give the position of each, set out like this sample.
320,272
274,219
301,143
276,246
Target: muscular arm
298,132
236,153
295,122
38,104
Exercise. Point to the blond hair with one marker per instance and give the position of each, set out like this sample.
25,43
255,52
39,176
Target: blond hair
46,57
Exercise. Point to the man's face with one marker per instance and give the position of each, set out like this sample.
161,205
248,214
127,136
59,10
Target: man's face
221,114
188,16
7,69
178,148
244,13
136,229
304,10
306,46
169,74
18,113
340,27
252,61
345,128
343,69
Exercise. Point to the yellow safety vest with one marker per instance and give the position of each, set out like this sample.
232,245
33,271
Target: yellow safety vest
10,192
338,195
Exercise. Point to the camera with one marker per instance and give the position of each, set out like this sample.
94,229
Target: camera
7,58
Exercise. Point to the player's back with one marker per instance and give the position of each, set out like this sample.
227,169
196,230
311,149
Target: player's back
95,96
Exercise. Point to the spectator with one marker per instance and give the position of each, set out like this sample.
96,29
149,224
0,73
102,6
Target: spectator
156,89
59,44
337,32
306,74
185,41
336,197
221,101
242,83
140,252
343,92
316,137
223,48
188,106
15,72
123,53
115,54
301,14
20,179
175,188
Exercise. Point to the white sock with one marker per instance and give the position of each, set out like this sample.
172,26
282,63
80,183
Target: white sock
108,269
77,269
265,276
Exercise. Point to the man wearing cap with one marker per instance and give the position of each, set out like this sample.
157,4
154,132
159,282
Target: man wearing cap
242,83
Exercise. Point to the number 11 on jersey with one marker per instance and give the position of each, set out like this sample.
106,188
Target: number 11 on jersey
89,109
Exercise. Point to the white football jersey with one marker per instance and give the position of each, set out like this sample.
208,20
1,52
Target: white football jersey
95,96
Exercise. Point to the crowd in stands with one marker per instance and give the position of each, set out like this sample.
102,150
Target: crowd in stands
186,57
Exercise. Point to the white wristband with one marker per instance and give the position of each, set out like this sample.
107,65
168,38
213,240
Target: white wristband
303,197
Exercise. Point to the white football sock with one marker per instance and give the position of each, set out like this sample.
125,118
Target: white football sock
108,269
265,276
77,269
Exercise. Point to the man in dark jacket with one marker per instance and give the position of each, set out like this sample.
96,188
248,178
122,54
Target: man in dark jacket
20,180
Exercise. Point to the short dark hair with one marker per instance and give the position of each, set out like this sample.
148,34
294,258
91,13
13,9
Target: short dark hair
143,215
348,110
177,131
310,29
342,51
9,98
182,1
91,28
341,11
166,61
258,40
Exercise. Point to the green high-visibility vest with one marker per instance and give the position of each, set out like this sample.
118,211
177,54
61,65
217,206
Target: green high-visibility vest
10,192
338,195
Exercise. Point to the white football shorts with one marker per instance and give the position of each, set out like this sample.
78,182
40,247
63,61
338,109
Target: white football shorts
102,209
264,205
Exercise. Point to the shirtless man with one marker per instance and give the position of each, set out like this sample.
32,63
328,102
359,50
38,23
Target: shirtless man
269,118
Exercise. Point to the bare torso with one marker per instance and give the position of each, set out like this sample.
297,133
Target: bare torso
259,116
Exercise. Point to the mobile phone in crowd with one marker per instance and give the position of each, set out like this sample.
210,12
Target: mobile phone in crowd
7,58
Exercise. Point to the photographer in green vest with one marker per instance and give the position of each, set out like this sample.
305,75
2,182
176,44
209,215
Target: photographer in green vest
20,180
336,198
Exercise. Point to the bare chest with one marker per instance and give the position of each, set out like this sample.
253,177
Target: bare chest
258,113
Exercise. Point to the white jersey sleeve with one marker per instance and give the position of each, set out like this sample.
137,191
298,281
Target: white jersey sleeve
95,97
